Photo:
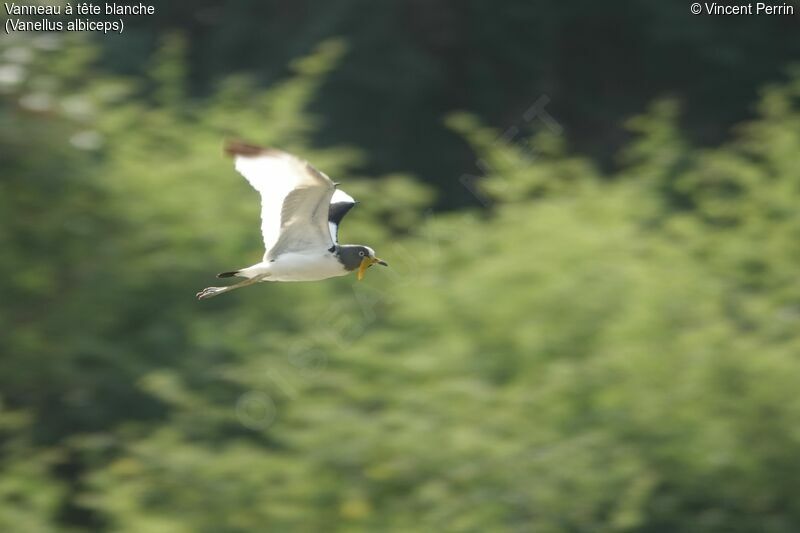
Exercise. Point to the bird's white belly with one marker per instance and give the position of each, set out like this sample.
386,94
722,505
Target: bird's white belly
304,267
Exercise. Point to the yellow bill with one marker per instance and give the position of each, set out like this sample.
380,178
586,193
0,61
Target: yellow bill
366,263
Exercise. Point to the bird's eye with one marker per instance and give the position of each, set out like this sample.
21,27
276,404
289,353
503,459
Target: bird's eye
361,253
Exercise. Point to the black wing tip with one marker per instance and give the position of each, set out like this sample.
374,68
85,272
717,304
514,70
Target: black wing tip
337,211
235,147
227,274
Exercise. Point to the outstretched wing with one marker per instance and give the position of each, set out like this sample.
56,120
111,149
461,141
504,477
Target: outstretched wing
341,204
294,198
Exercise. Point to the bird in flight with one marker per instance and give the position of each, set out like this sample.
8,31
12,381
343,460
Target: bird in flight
301,209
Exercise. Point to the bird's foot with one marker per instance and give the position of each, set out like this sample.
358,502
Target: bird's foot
210,292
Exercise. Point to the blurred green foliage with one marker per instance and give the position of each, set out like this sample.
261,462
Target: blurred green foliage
413,61
589,352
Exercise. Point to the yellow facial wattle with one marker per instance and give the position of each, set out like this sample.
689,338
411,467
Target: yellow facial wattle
362,268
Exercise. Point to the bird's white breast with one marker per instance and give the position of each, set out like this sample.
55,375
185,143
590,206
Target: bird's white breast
306,266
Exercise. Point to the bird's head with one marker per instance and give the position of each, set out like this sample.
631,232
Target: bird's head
359,258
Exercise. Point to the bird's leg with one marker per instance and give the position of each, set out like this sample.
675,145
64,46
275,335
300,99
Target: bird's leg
210,292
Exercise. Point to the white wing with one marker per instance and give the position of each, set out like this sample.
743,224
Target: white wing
341,203
294,198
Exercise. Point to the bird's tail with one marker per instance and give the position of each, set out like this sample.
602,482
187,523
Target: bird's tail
228,274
